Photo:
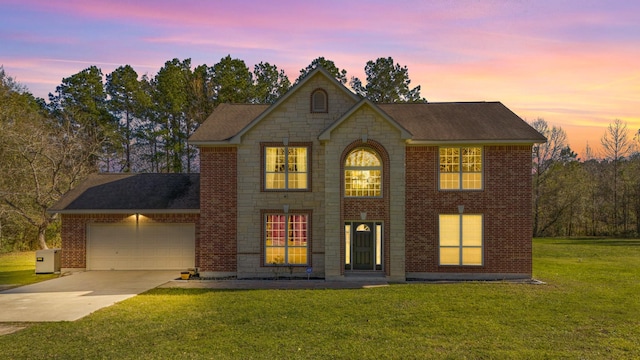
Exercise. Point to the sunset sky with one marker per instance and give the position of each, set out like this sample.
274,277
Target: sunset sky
574,63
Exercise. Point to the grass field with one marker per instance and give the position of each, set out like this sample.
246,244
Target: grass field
18,269
588,309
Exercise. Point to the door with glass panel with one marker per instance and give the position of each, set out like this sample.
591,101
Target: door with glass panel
363,246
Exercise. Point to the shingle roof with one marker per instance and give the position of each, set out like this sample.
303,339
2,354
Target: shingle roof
427,122
130,192
226,121
473,121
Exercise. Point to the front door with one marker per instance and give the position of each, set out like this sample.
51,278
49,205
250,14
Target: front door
363,247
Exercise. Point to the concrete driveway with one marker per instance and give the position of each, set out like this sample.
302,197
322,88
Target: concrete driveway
72,297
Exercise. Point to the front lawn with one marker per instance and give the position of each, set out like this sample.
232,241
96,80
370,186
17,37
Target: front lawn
19,268
589,309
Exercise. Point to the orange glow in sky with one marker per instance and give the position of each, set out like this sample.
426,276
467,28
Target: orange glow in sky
573,63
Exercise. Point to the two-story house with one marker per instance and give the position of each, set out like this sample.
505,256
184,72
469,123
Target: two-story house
325,182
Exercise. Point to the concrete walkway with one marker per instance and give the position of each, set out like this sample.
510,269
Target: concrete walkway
283,284
72,297
75,296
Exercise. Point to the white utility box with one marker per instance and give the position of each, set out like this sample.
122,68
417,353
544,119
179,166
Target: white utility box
48,261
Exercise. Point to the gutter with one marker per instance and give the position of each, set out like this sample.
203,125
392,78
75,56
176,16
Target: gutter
123,211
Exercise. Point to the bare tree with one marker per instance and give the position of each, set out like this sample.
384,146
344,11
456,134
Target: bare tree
544,157
616,145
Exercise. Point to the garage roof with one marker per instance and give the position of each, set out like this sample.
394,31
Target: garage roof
125,193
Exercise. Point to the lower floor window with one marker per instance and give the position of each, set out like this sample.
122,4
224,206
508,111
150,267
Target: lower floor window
461,239
286,239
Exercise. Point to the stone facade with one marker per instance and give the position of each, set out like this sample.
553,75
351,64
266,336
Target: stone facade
291,122
380,136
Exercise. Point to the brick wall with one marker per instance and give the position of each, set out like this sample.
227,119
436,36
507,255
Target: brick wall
505,203
217,250
74,232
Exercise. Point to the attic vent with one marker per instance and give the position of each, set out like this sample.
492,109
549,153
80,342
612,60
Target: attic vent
319,101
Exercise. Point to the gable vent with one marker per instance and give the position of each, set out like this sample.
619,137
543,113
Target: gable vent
319,101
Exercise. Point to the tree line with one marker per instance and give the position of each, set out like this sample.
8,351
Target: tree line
595,196
127,122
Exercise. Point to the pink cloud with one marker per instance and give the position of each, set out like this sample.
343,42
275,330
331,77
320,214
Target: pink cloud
572,62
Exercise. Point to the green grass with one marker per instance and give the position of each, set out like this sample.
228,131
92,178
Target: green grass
19,268
589,309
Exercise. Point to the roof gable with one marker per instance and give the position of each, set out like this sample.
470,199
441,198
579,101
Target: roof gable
229,122
119,193
319,71
326,134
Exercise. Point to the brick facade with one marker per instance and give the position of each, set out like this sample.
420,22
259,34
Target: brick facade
504,202
218,210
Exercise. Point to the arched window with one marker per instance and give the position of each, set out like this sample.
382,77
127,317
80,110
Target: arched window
319,102
362,174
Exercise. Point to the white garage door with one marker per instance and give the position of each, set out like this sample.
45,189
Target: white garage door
143,247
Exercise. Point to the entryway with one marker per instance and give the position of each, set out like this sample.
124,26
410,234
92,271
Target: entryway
363,246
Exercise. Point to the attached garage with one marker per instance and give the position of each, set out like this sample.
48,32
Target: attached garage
131,222
140,247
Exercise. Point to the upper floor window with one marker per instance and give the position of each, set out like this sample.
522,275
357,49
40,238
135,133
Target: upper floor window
461,168
362,173
286,167
319,101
